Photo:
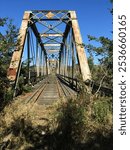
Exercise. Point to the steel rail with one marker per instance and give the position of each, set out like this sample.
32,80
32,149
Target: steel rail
41,87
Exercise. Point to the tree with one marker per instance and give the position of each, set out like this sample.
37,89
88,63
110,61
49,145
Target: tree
8,41
104,70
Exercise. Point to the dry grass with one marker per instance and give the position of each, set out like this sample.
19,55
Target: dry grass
63,125
18,118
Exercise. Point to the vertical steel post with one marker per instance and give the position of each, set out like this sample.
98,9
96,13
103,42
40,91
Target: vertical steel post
60,62
69,55
46,62
73,59
47,67
28,55
64,61
57,65
62,58
37,59
42,63
66,58
61,70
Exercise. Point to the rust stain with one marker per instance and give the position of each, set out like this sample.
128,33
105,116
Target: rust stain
11,71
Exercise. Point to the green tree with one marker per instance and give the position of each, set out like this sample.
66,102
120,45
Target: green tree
8,41
104,70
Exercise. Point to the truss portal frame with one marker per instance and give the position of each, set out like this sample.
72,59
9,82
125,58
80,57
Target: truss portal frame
51,38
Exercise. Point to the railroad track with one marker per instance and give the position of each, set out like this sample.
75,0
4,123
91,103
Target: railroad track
50,91
33,98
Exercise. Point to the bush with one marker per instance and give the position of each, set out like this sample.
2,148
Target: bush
101,109
21,87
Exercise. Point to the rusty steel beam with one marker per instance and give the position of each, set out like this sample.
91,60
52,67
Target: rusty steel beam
51,35
14,68
83,62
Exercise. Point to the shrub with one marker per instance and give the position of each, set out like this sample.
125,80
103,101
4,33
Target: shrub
101,108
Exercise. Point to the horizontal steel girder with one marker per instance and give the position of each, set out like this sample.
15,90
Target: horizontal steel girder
51,35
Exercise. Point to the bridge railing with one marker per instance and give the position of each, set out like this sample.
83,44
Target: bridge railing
76,84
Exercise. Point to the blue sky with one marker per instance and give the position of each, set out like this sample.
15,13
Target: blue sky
93,15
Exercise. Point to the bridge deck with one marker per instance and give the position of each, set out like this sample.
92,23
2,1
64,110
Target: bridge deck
50,90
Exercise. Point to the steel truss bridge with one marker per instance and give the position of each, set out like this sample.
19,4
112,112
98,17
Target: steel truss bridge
49,43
